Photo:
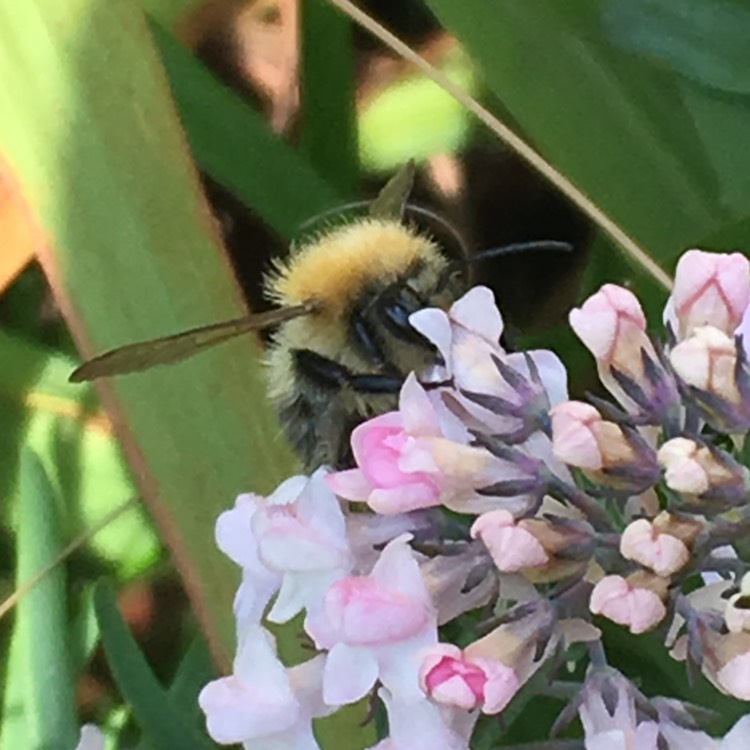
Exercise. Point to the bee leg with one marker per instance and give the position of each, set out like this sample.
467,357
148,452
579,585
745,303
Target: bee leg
365,338
328,374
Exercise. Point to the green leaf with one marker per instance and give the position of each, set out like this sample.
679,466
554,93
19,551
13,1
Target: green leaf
49,684
707,42
87,123
194,672
14,729
233,143
76,446
575,98
159,717
84,633
329,134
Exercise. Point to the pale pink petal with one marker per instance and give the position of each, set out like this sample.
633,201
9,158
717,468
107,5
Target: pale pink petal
92,738
399,661
477,312
734,677
351,484
502,684
418,725
397,570
637,608
596,331
416,410
318,505
403,499
512,547
289,490
234,536
350,672
738,737
434,325
711,289
293,597
663,553
256,700
573,440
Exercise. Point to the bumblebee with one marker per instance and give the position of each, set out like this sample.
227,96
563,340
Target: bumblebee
343,343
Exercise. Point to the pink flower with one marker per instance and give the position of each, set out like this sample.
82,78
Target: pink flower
235,538
374,626
467,337
646,544
405,461
612,325
262,702
305,540
709,289
512,547
422,725
640,609
449,677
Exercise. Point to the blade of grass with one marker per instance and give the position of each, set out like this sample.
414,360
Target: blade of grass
329,132
13,721
192,675
232,142
157,715
49,702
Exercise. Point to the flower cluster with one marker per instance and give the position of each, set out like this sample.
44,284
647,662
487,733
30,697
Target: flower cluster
492,502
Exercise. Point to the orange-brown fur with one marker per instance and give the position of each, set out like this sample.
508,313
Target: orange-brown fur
339,272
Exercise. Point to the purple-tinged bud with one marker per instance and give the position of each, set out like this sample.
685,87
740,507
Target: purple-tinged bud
612,455
703,471
527,403
713,371
644,543
636,601
707,361
612,325
545,549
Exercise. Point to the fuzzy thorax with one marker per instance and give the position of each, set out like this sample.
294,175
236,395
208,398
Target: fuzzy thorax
336,269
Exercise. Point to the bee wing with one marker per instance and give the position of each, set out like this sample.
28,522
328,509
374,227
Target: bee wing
168,349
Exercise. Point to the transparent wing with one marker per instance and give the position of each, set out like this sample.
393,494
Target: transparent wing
169,349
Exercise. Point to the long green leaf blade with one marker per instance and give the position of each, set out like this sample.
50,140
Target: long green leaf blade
158,716
49,700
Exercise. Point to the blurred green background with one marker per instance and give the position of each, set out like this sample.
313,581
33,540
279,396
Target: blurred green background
154,154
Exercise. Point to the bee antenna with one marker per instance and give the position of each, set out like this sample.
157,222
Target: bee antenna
519,247
499,252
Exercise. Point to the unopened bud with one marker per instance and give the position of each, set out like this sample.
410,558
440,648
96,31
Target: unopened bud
613,455
636,602
702,470
612,325
710,289
452,678
643,542
707,361
512,547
